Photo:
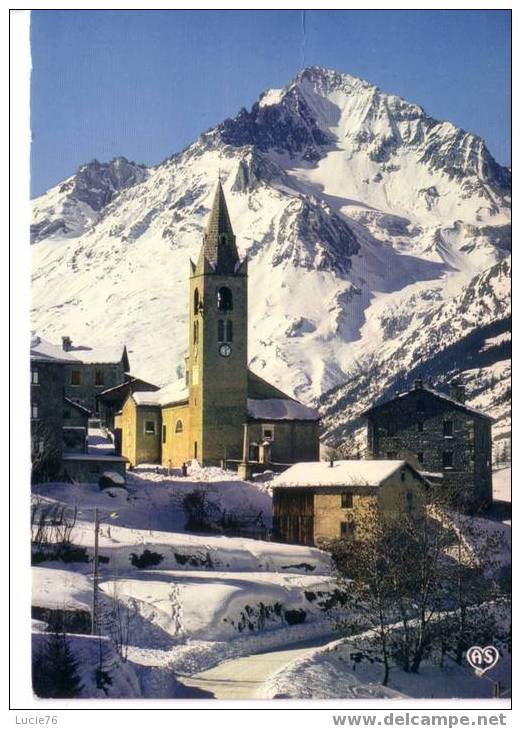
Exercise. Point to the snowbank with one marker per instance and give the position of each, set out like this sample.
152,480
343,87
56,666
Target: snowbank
330,673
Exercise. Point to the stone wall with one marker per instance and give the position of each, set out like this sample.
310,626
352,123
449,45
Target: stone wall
47,395
414,426
85,393
293,441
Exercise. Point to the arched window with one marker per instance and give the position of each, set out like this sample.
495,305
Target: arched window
224,299
220,330
179,426
196,301
229,331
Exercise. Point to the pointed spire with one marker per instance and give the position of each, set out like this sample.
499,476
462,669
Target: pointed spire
219,247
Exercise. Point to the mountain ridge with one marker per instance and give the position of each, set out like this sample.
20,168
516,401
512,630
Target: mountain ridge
359,213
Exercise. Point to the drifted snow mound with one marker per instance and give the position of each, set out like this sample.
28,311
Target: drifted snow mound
218,606
330,672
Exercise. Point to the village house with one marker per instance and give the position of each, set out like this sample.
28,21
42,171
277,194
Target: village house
89,371
59,424
221,412
75,427
47,399
445,438
318,502
110,401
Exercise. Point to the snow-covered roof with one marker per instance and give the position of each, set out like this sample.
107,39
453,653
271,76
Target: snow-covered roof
99,355
277,408
174,392
441,395
342,473
44,351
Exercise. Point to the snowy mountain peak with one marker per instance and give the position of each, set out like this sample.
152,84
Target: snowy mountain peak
360,216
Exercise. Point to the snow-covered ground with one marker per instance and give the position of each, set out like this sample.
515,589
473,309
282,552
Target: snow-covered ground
329,672
204,597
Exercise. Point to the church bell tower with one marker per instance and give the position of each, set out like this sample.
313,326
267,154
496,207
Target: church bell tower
217,366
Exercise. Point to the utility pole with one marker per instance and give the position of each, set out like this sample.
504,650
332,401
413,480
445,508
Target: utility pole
95,575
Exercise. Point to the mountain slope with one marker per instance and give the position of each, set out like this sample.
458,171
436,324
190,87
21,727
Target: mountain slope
362,218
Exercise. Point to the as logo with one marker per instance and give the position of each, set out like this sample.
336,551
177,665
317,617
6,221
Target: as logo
482,659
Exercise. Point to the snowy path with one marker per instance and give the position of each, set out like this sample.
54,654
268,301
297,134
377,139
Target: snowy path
241,678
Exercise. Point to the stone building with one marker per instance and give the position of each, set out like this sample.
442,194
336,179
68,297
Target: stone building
221,411
317,502
92,370
448,440
47,392
75,426
111,400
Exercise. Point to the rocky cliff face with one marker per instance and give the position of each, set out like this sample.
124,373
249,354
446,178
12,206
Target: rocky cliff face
372,231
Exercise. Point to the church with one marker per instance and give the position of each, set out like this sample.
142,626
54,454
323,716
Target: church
222,413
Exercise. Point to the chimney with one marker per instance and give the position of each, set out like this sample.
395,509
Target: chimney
418,384
457,391
66,343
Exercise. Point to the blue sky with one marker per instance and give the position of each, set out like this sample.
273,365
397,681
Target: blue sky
144,84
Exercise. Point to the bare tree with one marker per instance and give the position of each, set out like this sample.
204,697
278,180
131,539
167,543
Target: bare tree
425,581
118,620
52,525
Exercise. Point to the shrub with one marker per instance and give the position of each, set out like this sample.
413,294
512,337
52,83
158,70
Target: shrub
294,617
146,559
202,514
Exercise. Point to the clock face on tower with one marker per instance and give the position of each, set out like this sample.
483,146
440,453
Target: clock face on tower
225,350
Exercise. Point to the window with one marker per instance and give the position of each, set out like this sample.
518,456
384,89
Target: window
75,377
66,414
196,301
223,240
420,426
196,332
409,500
99,378
35,380
164,433
447,428
253,452
347,501
344,528
402,476
267,432
419,456
34,412
179,426
448,459
195,450
391,455
150,427
224,299
224,330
